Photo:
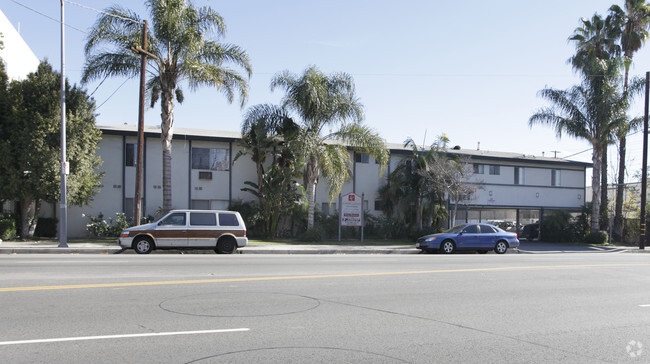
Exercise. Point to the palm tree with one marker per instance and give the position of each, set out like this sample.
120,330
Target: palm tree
181,39
633,22
596,42
322,102
587,113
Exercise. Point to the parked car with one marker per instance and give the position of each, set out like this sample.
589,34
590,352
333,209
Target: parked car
479,237
530,232
223,231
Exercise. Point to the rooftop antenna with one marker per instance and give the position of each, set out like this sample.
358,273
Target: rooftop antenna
478,146
555,152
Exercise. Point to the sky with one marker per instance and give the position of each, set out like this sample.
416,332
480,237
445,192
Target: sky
469,69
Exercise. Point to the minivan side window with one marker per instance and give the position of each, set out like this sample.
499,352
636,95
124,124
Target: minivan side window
228,220
177,218
203,219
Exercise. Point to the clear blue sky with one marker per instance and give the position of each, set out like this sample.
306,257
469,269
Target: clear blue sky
470,69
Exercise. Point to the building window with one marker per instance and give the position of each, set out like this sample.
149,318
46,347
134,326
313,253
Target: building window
495,170
361,157
519,175
327,208
215,159
205,175
555,177
479,168
378,205
200,204
129,155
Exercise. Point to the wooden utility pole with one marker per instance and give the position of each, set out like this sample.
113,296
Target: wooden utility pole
137,201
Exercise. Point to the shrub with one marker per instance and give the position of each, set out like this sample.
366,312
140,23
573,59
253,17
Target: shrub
99,227
46,227
314,234
7,228
598,237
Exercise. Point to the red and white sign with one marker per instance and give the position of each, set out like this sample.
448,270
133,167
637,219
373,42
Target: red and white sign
351,210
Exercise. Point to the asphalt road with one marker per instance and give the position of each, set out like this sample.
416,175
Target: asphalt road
467,308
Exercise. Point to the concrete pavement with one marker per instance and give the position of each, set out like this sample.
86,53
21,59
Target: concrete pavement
526,247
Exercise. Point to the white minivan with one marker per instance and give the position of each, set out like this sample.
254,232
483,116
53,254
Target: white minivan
223,231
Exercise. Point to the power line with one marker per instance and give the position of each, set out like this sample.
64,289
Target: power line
47,16
114,92
102,12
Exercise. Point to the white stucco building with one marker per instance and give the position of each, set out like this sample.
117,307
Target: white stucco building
18,58
514,187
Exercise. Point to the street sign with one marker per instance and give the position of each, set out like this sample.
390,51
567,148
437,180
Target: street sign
351,210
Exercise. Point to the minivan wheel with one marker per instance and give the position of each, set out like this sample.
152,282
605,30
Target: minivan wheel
226,245
501,247
448,247
143,245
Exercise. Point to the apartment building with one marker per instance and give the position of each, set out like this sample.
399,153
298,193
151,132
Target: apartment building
511,187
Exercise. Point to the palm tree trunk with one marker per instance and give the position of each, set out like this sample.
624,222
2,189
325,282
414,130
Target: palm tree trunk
167,133
311,179
596,159
418,213
604,220
620,188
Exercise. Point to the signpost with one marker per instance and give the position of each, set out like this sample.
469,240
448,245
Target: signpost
351,211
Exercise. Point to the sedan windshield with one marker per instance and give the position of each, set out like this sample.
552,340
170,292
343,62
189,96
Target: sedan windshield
455,229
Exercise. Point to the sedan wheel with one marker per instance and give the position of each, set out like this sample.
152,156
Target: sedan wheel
501,247
448,247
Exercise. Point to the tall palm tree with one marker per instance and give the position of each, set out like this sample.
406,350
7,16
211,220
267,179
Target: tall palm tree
587,113
596,42
634,22
185,41
323,102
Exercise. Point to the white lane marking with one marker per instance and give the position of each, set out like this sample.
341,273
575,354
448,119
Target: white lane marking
648,305
104,337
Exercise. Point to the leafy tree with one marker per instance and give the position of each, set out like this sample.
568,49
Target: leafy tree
325,101
30,144
181,38
633,21
267,129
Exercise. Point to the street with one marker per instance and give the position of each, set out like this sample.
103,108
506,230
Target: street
419,308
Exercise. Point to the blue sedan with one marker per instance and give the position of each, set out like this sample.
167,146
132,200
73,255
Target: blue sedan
479,237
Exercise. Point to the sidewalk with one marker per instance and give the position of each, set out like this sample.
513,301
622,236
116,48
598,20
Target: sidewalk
526,247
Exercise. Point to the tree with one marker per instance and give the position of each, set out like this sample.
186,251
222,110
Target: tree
30,144
181,40
633,24
268,129
324,101
452,175
596,42
590,112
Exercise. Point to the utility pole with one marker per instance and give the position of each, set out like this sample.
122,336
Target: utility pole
644,168
137,201
63,219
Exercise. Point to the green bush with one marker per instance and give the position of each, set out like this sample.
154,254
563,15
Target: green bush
598,237
99,227
46,227
7,228
314,234
561,227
